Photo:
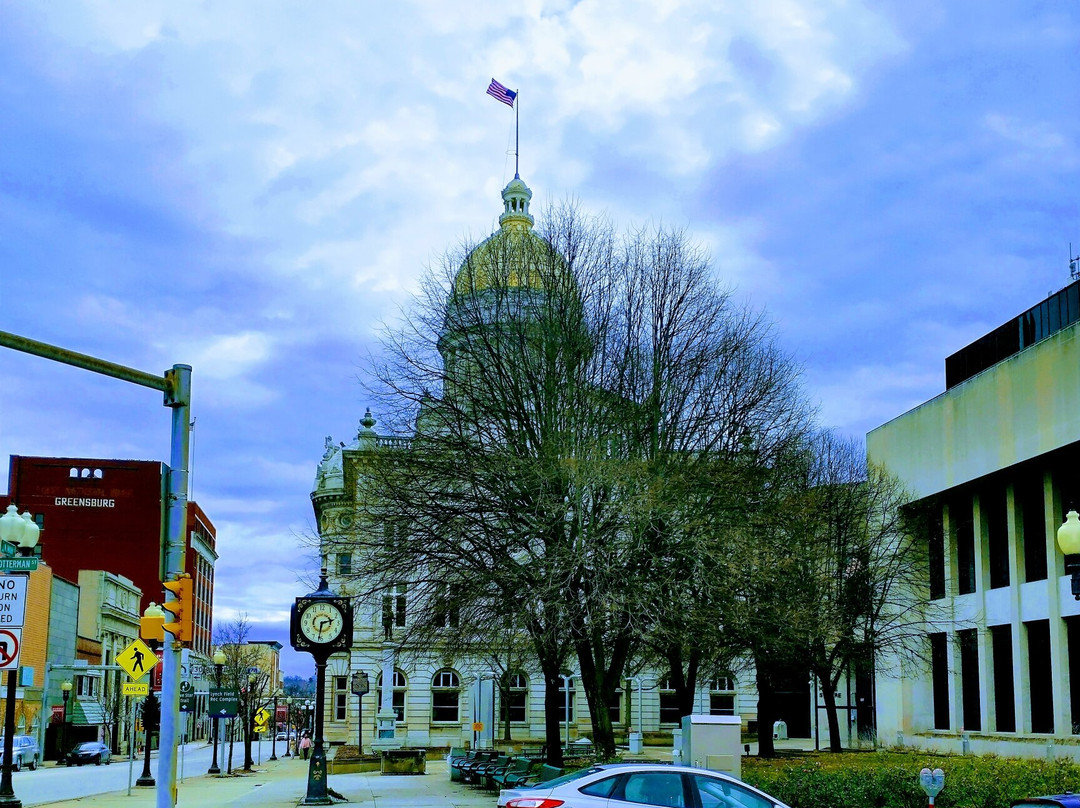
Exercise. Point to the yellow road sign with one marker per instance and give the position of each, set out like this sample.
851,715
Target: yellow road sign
135,689
262,716
137,659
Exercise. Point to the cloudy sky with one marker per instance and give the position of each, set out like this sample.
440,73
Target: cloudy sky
251,188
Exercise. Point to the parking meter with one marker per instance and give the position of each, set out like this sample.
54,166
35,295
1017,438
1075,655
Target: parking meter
932,782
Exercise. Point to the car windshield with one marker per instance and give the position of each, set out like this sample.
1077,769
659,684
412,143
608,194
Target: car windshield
86,747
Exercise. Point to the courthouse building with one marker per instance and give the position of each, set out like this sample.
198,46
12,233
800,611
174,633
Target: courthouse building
995,459
437,700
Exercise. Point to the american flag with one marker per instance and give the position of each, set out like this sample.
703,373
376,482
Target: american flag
500,93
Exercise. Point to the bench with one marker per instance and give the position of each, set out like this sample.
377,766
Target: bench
456,759
480,757
546,772
478,774
512,774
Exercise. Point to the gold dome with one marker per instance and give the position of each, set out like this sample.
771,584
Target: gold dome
513,256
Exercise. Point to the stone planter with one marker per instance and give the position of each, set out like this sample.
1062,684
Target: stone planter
404,761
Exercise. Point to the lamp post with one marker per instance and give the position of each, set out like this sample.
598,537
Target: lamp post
309,723
288,726
23,532
1068,539
219,663
65,690
273,742
249,721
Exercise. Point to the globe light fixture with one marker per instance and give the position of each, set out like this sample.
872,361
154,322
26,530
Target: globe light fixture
1068,539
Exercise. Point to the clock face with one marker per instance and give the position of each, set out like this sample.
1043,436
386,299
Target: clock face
322,622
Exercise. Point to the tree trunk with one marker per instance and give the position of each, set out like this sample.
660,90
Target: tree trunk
553,725
828,692
766,712
232,735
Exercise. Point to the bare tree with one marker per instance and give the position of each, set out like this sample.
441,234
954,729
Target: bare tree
569,394
243,671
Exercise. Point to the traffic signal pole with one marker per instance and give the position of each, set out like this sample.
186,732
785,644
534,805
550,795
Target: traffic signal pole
174,568
176,385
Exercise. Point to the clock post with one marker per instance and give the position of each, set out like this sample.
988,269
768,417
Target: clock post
320,625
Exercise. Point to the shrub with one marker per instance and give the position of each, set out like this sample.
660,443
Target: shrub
891,779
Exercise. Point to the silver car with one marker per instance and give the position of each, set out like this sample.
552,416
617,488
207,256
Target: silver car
641,784
25,752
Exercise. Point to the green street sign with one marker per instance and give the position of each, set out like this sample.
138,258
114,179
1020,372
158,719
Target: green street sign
8,549
19,564
187,703
223,703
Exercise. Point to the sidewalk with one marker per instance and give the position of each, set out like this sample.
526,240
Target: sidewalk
283,783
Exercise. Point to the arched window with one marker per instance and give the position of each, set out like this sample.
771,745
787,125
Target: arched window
722,696
445,695
74,472
400,686
670,713
515,693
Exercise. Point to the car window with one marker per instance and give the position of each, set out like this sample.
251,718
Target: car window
654,788
566,778
601,788
717,793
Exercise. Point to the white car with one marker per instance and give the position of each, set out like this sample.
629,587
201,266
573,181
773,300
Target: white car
639,784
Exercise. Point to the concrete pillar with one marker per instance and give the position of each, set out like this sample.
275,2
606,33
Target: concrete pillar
386,718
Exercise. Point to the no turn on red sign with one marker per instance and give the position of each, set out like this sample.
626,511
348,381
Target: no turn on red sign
10,643
12,600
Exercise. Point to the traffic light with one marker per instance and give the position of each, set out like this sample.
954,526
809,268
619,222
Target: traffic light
152,625
181,609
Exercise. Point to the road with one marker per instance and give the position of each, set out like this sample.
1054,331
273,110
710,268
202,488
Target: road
52,783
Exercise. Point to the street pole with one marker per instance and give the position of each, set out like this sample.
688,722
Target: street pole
7,792
147,778
176,386
273,743
131,745
180,403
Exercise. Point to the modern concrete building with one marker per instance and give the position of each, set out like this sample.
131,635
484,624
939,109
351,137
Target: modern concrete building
994,459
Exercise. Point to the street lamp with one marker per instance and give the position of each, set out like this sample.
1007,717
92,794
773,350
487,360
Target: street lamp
273,742
1068,539
250,721
65,691
23,532
288,726
310,723
219,663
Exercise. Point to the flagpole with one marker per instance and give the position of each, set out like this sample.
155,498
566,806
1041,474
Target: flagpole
517,121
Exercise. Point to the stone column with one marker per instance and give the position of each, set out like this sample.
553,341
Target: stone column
385,736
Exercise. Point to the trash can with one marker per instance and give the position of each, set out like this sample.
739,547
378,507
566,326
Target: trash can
635,743
779,730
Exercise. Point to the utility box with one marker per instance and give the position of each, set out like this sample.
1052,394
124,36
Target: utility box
713,742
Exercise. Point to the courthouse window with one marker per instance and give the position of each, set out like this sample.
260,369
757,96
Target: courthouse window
445,695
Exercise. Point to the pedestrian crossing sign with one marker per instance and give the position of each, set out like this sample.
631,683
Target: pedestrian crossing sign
137,659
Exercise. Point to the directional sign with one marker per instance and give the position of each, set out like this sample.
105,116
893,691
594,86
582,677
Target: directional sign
187,697
10,641
135,688
223,702
137,659
12,600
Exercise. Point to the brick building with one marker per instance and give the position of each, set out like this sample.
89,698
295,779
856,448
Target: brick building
107,516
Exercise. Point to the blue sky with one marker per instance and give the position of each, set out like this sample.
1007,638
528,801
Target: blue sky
252,188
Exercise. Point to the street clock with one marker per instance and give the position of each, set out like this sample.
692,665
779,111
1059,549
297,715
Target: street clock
321,623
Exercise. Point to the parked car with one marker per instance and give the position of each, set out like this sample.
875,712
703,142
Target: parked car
89,752
640,784
1060,800
24,752
281,736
